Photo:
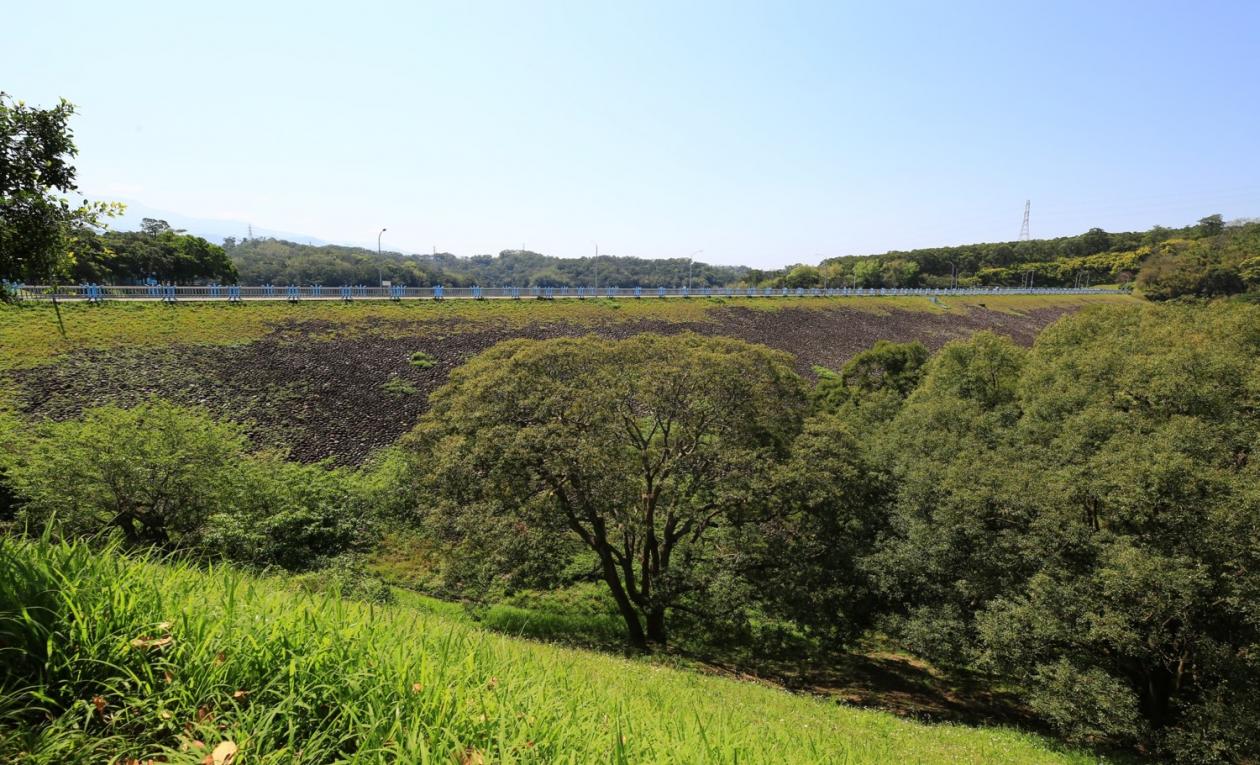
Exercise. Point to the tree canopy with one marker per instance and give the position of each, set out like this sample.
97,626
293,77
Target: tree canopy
36,224
1083,518
642,452
155,252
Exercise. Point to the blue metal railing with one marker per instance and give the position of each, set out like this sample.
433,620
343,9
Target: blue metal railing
96,293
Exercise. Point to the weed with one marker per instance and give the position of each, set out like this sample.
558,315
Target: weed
398,387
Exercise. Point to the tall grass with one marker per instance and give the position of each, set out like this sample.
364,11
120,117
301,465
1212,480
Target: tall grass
105,658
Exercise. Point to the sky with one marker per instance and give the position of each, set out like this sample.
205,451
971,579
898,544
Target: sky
761,134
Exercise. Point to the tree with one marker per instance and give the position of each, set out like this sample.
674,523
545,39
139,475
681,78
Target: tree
157,251
867,272
36,146
154,226
894,368
1095,241
805,559
640,451
802,276
1212,225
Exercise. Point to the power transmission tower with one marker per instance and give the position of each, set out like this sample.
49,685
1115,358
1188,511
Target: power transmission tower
1023,230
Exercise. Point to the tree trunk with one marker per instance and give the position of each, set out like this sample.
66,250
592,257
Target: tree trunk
634,628
656,625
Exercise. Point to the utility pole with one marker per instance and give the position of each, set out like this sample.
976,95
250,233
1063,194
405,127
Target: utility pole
380,276
595,265
689,263
1023,230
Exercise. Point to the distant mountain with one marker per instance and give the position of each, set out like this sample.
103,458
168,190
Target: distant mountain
213,229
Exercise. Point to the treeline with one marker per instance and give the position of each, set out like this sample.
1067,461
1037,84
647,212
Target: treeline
276,261
155,252
1208,259
1095,257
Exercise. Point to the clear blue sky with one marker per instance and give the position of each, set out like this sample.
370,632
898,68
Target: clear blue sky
763,133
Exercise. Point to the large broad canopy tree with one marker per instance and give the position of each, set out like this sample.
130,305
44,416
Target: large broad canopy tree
641,451
37,226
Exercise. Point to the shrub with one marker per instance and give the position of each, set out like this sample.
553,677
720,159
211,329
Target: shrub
154,473
291,515
422,360
172,477
346,577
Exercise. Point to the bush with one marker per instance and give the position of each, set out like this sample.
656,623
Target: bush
172,477
153,473
422,360
291,515
346,577
1088,706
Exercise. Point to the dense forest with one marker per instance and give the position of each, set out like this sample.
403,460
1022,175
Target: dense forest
274,261
1211,257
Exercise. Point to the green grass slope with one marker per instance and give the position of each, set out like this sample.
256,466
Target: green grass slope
110,659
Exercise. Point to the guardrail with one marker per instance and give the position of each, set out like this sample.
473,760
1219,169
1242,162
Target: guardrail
96,293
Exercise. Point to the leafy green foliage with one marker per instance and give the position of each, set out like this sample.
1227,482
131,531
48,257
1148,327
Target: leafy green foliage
1198,259
643,451
277,261
421,360
886,366
157,251
827,504
1082,518
155,473
36,147
171,477
295,516
1219,263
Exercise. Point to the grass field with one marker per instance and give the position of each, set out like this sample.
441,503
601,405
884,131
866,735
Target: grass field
29,335
113,660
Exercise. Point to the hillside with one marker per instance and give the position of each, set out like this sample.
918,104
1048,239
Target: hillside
1183,256
277,261
132,660
329,380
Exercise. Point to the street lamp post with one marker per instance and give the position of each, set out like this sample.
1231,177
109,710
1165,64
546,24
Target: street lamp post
689,263
380,276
